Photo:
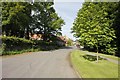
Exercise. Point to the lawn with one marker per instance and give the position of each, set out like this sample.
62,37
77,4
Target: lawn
104,55
87,67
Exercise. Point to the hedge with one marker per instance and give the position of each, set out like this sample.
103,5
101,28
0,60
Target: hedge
15,45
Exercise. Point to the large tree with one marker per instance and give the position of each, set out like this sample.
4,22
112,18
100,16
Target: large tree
16,18
46,21
21,18
94,26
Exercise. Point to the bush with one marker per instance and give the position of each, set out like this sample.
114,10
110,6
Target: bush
15,44
69,42
45,45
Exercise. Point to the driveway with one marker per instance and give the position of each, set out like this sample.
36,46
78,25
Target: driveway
44,64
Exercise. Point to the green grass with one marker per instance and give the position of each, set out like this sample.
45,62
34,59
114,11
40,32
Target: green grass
104,55
14,52
91,69
19,52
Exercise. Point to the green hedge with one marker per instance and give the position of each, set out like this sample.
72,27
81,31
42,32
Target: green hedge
15,45
44,46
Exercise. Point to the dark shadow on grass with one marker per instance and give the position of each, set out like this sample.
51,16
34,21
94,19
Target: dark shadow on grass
66,47
92,58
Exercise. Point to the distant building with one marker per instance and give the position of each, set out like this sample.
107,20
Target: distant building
67,40
35,36
60,40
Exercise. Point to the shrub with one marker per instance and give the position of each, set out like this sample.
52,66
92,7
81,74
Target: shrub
43,45
15,44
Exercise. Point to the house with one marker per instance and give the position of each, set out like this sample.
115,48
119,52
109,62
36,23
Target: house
35,36
60,40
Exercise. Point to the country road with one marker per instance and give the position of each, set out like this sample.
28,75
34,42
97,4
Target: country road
44,64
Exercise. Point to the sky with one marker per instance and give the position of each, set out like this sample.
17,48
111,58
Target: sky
68,12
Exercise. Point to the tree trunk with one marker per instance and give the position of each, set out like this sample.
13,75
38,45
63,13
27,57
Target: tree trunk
27,33
97,55
45,37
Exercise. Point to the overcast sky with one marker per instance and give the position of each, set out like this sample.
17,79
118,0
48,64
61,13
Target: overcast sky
68,12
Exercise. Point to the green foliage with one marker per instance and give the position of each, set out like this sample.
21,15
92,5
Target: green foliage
43,45
15,45
21,18
16,18
90,69
94,26
69,42
45,20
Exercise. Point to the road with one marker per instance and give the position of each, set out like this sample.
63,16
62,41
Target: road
44,64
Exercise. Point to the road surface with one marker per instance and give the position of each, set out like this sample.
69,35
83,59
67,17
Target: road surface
44,64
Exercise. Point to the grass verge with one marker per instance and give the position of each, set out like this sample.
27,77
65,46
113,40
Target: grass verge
19,52
90,69
14,52
105,55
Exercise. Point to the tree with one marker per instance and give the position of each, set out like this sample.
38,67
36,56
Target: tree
69,42
94,26
46,21
21,18
16,18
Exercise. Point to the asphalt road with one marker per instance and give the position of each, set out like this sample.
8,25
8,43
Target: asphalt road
44,64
